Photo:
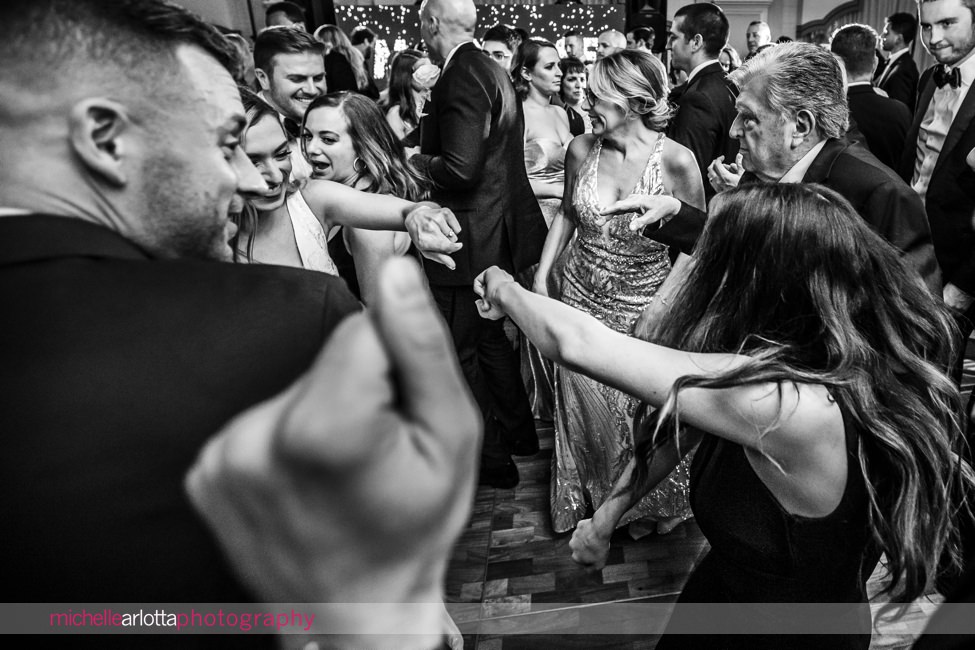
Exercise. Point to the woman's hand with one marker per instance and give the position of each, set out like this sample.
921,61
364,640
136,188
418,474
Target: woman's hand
725,177
487,286
540,284
589,547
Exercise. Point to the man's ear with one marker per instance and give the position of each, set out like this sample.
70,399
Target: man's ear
805,124
98,131
262,79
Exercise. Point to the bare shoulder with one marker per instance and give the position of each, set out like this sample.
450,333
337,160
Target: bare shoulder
579,147
677,157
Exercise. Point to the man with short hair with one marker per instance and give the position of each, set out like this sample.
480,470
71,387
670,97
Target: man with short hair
291,73
574,45
470,140
609,42
363,39
285,14
942,134
757,35
899,76
128,343
792,117
640,38
500,43
706,102
883,122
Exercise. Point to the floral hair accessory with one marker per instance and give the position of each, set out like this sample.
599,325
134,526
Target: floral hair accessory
425,76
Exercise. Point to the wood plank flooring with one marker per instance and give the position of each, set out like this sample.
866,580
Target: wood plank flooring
512,584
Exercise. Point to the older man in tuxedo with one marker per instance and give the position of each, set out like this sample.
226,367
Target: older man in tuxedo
472,147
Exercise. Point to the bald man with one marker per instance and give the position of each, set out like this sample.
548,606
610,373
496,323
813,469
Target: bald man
470,139
610,42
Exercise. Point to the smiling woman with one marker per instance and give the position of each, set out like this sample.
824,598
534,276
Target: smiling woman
284,224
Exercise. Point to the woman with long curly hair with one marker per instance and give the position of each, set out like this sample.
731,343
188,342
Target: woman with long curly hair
805,360
345,67
346,139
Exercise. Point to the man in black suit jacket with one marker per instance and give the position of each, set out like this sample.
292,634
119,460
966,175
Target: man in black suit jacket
882,122
127,345
472,146
940,138
899,76
706,101
802,141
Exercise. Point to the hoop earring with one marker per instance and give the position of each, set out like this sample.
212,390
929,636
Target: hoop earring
356,169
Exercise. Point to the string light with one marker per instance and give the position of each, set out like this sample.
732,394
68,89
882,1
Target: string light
400,24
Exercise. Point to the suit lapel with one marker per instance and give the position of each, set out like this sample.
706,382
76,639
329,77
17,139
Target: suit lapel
963,119
910,149
822,165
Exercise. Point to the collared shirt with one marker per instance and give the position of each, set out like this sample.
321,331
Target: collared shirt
798,171
700,67
451,53
300,167
890,65
937,122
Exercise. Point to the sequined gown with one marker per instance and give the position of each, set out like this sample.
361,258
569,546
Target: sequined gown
611,273
544,161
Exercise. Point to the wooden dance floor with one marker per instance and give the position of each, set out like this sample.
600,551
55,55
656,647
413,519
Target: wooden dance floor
512,584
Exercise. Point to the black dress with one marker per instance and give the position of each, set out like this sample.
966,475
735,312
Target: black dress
762,554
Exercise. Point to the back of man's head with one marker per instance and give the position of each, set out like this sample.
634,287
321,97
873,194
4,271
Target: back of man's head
905,24
282,40
362,35
644,36
286,14
707,20
800,77
856,45
53,52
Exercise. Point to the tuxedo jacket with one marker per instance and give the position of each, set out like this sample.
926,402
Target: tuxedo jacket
116,369
950,198
886,202
472,147
883,123
705,111
902,82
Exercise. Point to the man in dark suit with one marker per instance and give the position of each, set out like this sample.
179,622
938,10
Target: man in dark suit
706,101
472,146
800,139
899,76
127,345
941,136
882,122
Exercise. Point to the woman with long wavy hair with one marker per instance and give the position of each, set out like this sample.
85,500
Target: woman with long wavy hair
806,360
411,78
345,138
345,67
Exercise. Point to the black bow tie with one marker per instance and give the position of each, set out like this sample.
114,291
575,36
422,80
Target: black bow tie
943,75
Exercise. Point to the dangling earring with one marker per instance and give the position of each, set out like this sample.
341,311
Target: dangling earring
356,162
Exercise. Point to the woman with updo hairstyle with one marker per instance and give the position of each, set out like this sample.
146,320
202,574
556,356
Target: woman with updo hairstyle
613,273
411,78
537,78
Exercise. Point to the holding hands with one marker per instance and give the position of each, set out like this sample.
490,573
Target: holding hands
434,231
652,208
353,484
487,286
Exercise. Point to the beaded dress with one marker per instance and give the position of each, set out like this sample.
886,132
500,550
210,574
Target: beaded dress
611,273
